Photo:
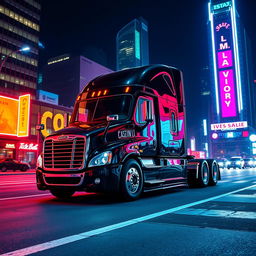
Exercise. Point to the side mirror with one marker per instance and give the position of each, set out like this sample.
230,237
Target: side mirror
112,118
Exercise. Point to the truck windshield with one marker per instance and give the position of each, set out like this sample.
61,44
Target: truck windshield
98,109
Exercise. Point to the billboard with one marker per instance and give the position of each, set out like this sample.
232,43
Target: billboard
48,97
226,60
14,116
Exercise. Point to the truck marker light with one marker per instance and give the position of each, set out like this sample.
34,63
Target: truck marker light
105,92
99,93
127,89
93,94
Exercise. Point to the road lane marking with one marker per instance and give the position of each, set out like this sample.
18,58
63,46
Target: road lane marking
21,197
240,181
238,199
218,213
10,184
98,231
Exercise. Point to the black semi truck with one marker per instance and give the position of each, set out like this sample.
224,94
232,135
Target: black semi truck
127,135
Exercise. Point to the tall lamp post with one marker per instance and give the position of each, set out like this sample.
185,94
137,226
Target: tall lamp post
23,49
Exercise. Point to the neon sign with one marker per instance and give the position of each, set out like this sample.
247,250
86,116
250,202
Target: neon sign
9,145
222,5
28,146
58,122
227,76
14,116
229,126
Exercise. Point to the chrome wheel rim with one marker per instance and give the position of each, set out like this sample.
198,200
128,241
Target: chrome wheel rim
132,180
214,172
205,174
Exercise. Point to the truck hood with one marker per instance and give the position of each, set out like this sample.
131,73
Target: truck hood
81,129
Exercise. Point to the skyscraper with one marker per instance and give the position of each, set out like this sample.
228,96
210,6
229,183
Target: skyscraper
67,75
132,45
232,121
19,29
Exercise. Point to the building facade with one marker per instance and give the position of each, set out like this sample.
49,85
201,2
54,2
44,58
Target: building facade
19,117
67,75
19,28
132,45
232,121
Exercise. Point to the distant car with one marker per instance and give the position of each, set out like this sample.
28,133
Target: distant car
235,162
249,162
222,162
11,164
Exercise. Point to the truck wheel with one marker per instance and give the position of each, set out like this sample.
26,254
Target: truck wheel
214,172
4,169
62,193
131,180
203,174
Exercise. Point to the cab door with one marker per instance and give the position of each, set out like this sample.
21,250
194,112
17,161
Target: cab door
146,129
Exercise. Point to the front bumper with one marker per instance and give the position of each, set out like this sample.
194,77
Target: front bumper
96,179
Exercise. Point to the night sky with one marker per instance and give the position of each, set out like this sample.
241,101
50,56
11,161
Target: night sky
177,32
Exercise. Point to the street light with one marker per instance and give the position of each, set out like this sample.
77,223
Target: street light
23,49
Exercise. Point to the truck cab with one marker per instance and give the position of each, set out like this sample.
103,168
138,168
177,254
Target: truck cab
127,136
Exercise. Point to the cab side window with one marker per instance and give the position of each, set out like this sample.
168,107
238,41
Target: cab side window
141,110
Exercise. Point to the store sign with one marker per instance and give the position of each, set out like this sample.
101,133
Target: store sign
58,122
23,116
222,5
229,126
48,97
225,65
9,145
14,116
28,146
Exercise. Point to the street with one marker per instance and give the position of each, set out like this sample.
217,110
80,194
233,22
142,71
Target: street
217,220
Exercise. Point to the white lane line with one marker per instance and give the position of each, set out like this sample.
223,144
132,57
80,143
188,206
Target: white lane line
238,199
18,183
21,197
218,213
240,181
87,234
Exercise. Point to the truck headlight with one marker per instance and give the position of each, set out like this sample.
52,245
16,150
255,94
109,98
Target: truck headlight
238,162
101,159
39,162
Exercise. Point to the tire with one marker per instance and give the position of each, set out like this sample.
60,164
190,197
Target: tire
214,172
3,169
62,193
131,180
203,174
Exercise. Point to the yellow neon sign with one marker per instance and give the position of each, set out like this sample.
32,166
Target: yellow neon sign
23,116
57,121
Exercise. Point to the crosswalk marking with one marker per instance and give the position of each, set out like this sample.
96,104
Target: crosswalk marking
218,213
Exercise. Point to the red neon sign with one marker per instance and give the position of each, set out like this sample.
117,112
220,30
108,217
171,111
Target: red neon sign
28,146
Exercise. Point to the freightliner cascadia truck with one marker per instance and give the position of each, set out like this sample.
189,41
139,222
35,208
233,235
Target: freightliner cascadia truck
127,135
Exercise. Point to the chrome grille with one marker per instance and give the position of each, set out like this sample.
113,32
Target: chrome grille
64,154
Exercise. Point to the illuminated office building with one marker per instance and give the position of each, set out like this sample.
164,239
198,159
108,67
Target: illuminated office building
19,27
232,121
132,45
67,75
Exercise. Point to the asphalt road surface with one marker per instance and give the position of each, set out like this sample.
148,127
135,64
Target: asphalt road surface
217,220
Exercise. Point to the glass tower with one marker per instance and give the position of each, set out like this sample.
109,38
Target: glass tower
19,28
132,45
